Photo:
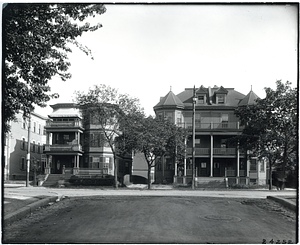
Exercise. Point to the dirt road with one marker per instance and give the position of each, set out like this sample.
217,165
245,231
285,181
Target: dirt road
156,220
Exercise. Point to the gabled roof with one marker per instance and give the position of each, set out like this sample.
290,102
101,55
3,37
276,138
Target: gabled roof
250,99
201,90
221,90
170,100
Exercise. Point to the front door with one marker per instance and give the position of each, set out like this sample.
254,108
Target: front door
217,169
58,166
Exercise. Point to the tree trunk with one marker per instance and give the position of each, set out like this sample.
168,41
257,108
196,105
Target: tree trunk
116,172
270,174
149,177
284,164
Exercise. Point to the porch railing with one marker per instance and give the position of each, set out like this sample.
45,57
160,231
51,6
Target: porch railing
230,173
62,148
199,151
216,151
211,126
224,151
76,123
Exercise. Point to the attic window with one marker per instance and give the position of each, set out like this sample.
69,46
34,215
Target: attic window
221,98
201,99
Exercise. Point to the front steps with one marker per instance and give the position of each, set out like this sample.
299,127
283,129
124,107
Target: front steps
55,180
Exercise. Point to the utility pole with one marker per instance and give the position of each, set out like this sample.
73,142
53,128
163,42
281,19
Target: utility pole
193,136
28,151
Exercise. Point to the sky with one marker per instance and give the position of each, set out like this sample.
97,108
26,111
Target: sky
146,50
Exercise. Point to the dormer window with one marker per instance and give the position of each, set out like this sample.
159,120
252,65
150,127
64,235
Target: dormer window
201,99
221,94
221,99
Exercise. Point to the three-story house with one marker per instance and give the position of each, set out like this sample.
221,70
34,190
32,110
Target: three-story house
215,123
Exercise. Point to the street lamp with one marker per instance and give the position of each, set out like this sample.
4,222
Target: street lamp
193,139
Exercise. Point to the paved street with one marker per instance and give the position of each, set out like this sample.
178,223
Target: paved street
155,219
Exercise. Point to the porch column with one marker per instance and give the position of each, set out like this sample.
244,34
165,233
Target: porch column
77,161
185,155
184,163
175,161
175,173
163,167
238,166
47,168
78,138
247,169
211,155
47,138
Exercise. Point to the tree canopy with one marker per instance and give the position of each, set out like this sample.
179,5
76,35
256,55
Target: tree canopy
271,127
36,41
155,138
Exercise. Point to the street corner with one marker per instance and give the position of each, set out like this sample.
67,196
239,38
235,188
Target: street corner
288,202
17,207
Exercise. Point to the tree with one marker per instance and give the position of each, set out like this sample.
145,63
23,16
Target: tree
271,128
36,40
111,111
155,138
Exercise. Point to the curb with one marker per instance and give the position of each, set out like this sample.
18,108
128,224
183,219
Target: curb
285,202
22,212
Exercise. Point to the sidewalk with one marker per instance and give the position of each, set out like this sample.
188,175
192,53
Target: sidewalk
20,200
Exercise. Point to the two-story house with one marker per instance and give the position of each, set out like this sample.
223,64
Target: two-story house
215,123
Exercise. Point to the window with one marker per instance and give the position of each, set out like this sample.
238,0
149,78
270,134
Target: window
33,146
66,139
197,142
203,165
96,159
201,99
23,145
40,129
216,165
223,143
95,162
221,98
92,140
253,164
39,148
169,116
169,165
23,164
262,166
179,120
34,127
24,122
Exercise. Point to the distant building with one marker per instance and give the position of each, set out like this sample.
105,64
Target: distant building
215,123
16,143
